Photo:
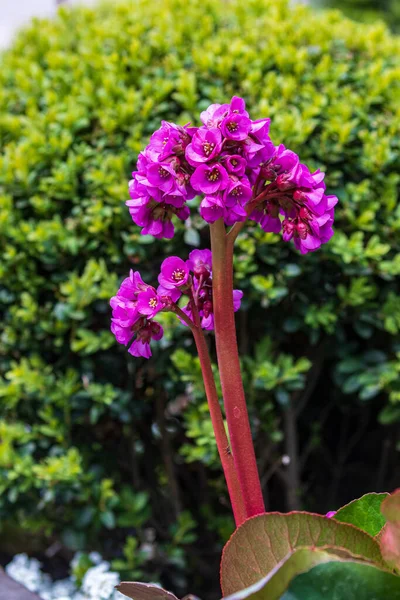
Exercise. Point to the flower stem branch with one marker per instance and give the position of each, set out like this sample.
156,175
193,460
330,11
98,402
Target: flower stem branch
224,451
231,476
229,368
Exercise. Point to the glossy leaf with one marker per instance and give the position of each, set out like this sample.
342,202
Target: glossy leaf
364,513
390,538
263,541
277,581
344,581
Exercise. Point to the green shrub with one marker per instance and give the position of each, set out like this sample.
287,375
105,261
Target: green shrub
367,10
92,440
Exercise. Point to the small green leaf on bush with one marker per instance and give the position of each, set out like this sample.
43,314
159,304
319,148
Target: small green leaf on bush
390,538
364,513
144,591
262,542
344,581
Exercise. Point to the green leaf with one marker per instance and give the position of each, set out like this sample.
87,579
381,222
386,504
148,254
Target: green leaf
344,581
144,591
364,513
108,519
262,542
277,581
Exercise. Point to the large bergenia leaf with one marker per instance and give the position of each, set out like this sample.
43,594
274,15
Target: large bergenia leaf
365,513
344,581
277,581
390,537
262,542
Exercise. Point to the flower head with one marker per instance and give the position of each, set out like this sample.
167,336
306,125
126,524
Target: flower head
133,308
136,303
231,161
294,202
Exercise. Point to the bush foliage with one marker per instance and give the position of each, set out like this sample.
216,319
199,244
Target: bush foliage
92,440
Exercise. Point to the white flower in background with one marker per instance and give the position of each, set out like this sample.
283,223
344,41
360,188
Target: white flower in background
63,590
95,557
99,583
27,571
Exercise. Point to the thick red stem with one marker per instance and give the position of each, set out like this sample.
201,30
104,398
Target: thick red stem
229,369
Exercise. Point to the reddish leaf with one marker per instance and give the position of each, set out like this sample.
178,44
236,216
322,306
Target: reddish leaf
273,585
390,537
144,591
262,542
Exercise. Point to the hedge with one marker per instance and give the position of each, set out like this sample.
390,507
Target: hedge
98,450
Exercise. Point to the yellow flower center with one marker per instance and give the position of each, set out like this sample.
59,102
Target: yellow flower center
178,275
162,172
208,148
213,175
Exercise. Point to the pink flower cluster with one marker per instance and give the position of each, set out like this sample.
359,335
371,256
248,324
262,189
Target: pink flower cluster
133,309
232,164
137,303
286,188
161,185
200,264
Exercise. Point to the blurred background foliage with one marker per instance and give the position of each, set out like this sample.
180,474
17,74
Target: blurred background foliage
367,10
99,451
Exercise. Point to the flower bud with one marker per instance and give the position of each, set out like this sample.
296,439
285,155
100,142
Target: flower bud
207,308
283,182
201,271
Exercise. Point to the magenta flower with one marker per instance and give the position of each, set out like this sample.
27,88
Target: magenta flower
163,140
155,217
214,114
234,164
331,514
234,214
238,105
174,273
205,145
236,127
134,305
149,303
168,296
211,208
200,262
267,216
161,176
237,299
124,304
141,345
237,191
123,335
209,179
